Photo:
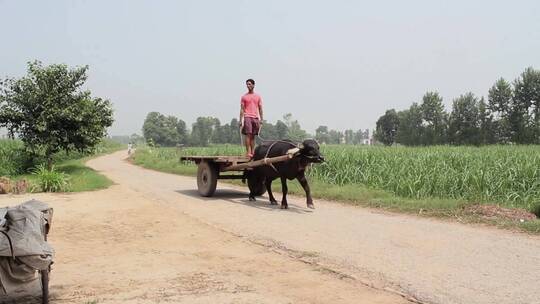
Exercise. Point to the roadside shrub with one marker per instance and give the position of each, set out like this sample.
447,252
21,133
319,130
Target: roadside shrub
13,159
51,180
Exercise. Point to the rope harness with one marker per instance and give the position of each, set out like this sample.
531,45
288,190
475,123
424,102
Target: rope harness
270,148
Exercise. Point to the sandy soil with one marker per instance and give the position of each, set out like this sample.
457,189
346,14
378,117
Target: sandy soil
152,239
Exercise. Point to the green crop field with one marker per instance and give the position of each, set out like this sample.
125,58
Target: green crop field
508,175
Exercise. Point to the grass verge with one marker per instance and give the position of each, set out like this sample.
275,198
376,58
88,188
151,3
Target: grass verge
81,177
354,194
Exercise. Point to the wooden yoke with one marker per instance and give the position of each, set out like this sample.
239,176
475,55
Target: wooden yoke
290,154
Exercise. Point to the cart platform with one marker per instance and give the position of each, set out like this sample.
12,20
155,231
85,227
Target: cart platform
210,167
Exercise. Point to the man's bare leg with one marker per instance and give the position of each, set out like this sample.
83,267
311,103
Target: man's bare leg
252,143
248,143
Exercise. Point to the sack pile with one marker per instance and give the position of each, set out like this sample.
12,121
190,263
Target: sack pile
23,247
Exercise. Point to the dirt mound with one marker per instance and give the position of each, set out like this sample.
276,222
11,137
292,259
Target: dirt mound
494,211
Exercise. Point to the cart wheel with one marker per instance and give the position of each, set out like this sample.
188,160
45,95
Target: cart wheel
45,286
207,175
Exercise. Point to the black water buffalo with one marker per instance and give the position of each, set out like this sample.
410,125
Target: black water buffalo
262,176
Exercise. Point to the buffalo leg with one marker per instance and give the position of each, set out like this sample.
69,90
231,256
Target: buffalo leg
284,189
303,181
268,183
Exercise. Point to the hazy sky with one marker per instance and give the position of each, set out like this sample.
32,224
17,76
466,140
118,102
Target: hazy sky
334,63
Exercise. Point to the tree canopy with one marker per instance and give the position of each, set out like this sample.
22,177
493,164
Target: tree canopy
48,110
511,115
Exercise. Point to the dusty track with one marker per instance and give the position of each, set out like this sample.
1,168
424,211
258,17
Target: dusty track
151,239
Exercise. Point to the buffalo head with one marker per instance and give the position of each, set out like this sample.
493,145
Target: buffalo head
309,149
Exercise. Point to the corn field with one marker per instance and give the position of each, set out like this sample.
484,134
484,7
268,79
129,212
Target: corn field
498,174
509,175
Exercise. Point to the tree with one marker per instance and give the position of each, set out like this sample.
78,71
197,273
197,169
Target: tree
217,136
410,131
294,131
387,126
50,112
434,119
488,128
349,137
281,130
464,126
321,135
163,130
268,131
182,132
202,131
526,107
136,139
172,137
234,132
335,137
500,103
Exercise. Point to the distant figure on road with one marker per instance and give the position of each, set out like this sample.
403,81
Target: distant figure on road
130,147
251,115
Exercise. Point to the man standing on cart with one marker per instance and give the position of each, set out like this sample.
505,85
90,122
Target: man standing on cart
251,115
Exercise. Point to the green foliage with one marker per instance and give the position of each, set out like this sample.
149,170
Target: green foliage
321,135
81,177
500,103
434,119
410,131
166,159
282,130
464,126
202,131
525,118
158,128
49,111
13,159
488,127
294,131
164,130
51,180
512,115
387,126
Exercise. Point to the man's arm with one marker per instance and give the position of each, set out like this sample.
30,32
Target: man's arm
241,122
260,110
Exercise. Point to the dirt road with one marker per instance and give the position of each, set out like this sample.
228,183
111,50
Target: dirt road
152,239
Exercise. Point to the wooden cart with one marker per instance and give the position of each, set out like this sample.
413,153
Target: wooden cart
210,169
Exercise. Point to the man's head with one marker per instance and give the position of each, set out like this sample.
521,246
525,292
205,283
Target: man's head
250,83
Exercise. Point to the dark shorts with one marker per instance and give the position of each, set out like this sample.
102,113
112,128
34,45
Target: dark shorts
251,126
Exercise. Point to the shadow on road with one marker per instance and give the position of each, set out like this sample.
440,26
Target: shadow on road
239,197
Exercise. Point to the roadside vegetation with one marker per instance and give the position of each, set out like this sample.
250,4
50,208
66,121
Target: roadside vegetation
56,124
434,181
69,174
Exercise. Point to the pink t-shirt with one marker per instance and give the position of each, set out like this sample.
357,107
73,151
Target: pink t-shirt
250,103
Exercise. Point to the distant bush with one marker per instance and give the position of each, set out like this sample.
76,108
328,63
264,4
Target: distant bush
51,180
13,159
